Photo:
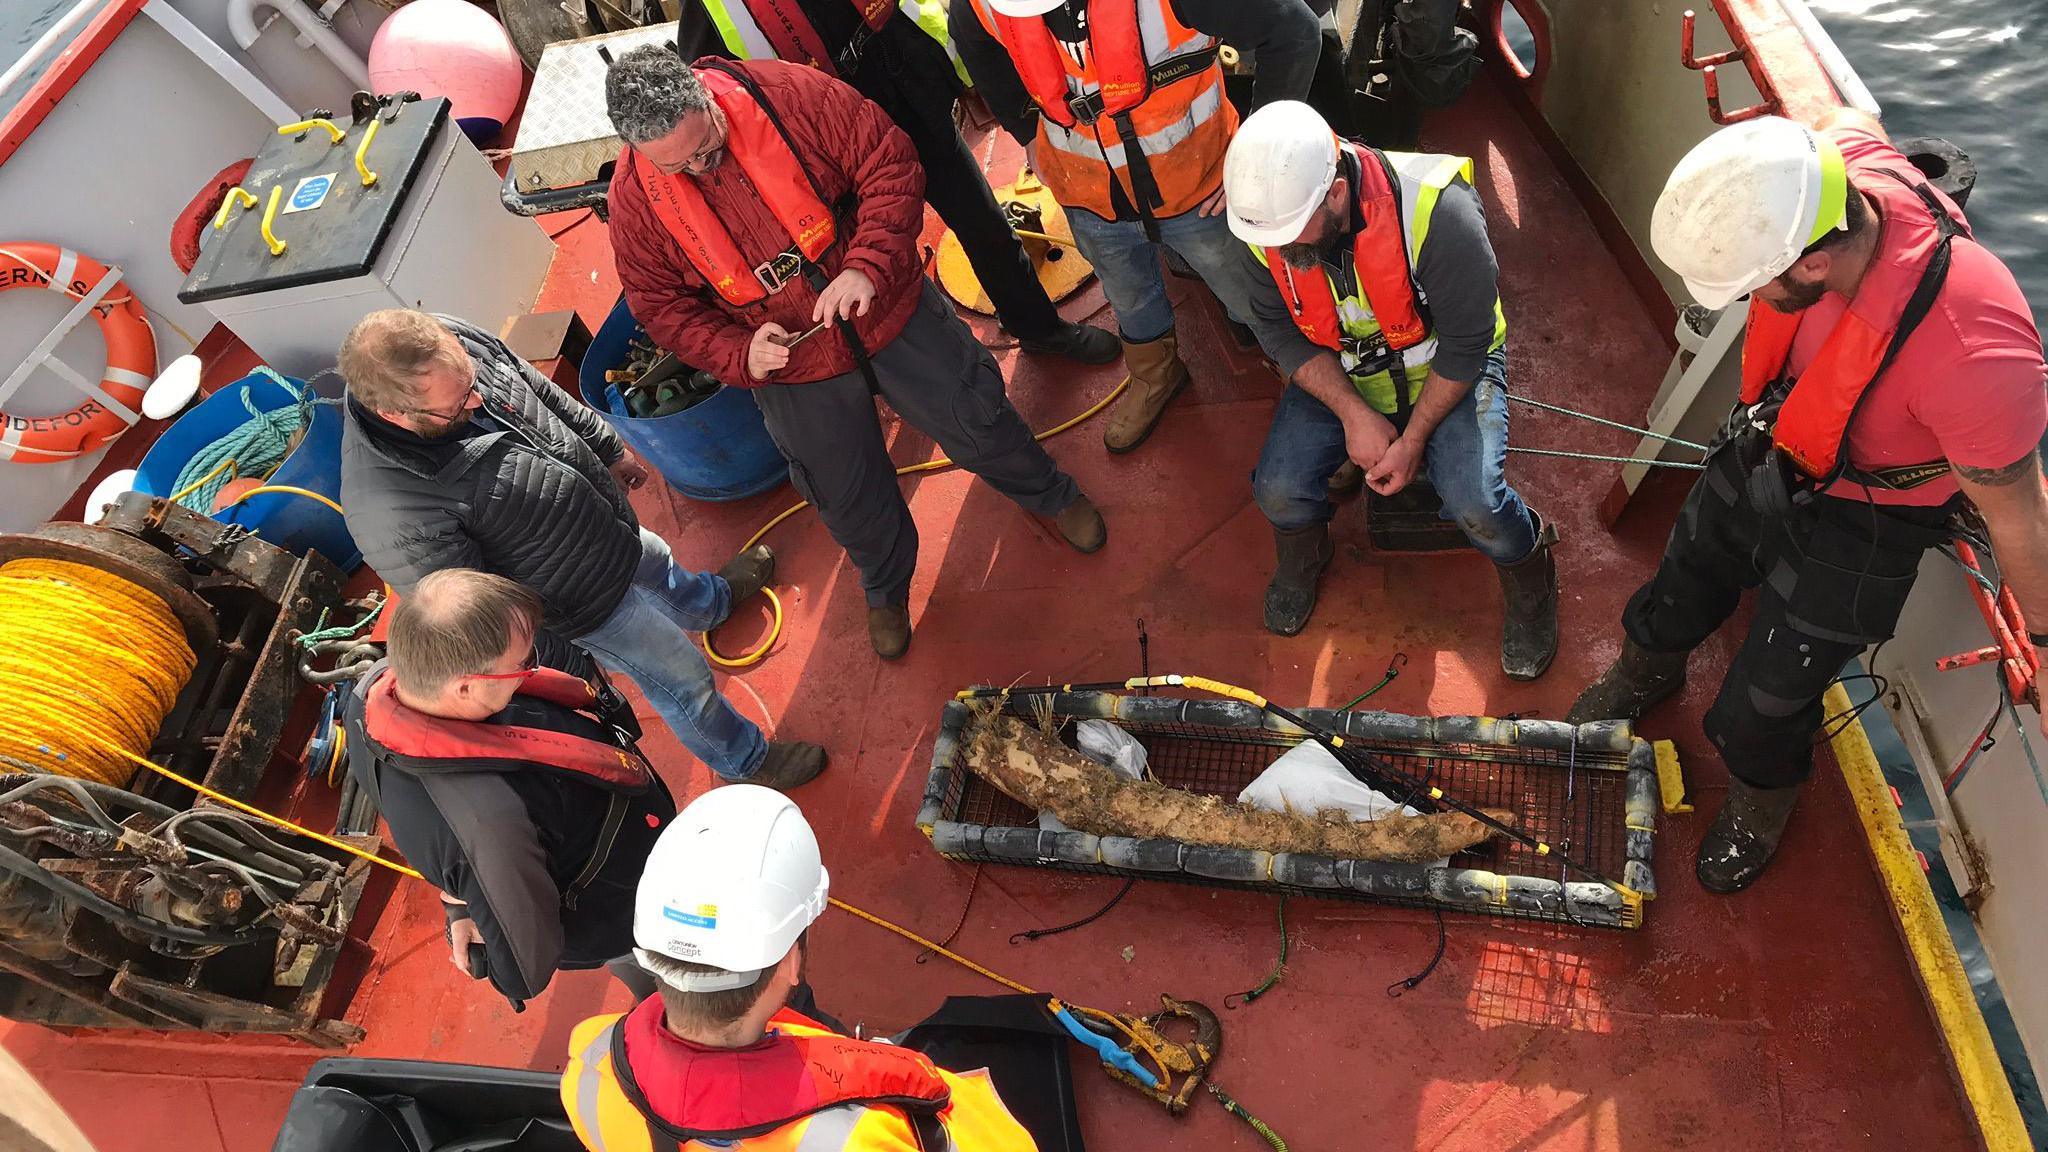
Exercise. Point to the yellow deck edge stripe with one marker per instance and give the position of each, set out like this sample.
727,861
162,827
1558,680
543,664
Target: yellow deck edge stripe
1927,940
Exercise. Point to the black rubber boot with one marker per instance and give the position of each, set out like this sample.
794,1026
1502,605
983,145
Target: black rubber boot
1291,596
789,764
749,572
1636,681
1528,588
1745,836
1078,342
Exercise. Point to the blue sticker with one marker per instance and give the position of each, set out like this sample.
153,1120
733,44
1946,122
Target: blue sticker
310,192
706,915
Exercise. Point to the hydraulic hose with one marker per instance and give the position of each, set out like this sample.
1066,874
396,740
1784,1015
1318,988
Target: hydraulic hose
99,905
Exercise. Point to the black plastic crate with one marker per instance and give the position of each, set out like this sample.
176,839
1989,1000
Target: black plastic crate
1590,790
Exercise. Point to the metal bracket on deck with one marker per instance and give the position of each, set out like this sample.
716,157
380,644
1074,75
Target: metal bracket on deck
1768,105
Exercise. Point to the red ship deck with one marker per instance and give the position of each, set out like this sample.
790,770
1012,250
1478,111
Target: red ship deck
1789,1017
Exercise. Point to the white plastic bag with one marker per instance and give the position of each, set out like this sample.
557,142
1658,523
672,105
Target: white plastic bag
1109,746
1307,780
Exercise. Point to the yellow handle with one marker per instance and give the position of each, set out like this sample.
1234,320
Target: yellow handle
269,216
235,196
334,134
362,149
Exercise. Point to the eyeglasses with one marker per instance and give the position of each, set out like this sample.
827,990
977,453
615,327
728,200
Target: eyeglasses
468,396
527,668
712,146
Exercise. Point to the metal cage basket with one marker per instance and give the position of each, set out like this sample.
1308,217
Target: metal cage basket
1589,789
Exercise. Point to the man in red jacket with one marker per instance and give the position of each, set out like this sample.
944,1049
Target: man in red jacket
765,221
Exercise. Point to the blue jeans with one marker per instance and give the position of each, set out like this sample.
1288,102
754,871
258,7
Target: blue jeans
1128,265
646,637
1465,459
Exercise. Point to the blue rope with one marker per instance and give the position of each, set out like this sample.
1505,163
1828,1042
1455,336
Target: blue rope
256,446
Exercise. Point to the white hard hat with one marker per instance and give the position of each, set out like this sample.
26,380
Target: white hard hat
731,883
1744,203
1024,7
1279,166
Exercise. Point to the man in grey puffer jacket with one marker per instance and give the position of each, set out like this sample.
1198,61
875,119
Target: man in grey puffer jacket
458,454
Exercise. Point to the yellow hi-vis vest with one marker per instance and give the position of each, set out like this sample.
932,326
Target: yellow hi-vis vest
1423,177
745,40
607,1121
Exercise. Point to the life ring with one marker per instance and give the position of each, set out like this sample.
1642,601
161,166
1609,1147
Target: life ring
114,405
191,223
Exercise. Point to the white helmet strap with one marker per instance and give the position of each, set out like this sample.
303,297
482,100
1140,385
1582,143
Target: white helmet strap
719,981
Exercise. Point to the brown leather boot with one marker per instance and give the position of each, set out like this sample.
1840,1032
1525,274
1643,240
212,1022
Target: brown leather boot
889,630
1081,525
749,572
1157,376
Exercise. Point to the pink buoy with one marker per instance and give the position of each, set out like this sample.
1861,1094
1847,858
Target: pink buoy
450,48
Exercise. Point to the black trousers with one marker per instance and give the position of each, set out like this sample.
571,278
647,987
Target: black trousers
1830,581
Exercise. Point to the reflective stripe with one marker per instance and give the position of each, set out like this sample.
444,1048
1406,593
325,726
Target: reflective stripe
67,266
1085,145
742,34
588,1081
830,1130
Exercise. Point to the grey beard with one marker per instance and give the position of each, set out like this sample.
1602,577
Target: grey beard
1301,257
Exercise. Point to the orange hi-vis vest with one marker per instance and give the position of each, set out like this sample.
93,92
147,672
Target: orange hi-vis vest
1145,109
1812,429
826,1092
757,144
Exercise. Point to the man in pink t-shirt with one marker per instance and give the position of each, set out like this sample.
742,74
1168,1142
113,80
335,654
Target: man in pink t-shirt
1827,523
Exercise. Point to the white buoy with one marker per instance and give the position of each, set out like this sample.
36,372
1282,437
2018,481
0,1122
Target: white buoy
173,388
106,492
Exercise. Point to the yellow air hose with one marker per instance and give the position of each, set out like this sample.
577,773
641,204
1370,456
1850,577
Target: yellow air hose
90,664
775,602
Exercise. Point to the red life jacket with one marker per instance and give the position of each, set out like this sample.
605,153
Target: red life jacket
1379,258
574,740
756,142
730,1094
795,39
1116,59
1812,427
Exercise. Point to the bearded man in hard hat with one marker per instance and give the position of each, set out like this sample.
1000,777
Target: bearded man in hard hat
1397,369
1891,376
1121,110
718,1056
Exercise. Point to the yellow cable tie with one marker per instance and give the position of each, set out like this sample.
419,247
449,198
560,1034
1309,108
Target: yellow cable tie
1542,849
334,133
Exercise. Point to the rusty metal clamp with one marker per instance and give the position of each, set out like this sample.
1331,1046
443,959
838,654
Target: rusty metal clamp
1186,1064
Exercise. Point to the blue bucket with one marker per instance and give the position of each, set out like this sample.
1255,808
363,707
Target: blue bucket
288,521
717,449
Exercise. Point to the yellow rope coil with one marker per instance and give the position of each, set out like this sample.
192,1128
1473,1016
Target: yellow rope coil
90,664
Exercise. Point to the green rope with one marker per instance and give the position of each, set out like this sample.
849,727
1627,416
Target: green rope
321,633
1279,966
1238,1110
256,446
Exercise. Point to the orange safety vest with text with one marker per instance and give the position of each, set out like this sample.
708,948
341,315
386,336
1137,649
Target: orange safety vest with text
764,154
1812,428
852,1095
1148,83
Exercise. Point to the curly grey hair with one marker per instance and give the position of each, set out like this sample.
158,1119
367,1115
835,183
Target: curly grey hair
648,92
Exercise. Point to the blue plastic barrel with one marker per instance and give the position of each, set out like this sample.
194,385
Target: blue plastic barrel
716,449
288,521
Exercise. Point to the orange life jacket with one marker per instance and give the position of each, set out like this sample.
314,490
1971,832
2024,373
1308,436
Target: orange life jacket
1148,101
1812,429
1379,258
581,735
757,144
809,1090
